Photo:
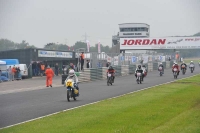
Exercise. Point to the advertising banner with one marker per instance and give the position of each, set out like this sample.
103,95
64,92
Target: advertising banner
134,59
116,60
43,53
160,43
145,59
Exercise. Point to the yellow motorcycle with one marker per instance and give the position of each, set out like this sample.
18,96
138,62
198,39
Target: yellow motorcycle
72,91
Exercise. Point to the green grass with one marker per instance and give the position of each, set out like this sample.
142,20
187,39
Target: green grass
170,108
195,60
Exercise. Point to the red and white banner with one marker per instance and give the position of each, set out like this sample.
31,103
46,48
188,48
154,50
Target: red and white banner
160,43
99,47
88,46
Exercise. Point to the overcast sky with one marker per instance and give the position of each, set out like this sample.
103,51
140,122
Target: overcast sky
66,21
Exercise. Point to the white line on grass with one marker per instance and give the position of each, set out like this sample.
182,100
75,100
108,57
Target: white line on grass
95,102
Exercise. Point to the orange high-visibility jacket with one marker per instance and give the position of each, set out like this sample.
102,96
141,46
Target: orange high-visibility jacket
49,72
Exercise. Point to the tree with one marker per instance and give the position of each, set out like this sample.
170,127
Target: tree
6,44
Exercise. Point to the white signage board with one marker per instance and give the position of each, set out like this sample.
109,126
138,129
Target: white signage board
57,54
116,60
160,43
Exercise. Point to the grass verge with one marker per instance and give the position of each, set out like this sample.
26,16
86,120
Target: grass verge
195,60
169,108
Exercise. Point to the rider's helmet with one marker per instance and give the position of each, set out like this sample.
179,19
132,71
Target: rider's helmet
110,67
160,63
191,61
139,66
71,73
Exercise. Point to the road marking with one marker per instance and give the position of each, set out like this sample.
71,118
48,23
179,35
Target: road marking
95,102
26,89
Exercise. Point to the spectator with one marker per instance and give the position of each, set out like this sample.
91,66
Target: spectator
56,69
42,68
13,73
49,76
38,68
9,73
82,60
18,73
88,64
107,64
71,66
34,68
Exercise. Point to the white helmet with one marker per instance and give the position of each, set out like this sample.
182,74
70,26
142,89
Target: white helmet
191,61
160,63
71,73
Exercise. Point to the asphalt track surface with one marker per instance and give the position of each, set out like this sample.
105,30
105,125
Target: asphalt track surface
22,106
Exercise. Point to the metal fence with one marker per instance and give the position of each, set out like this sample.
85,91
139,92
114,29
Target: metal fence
98,60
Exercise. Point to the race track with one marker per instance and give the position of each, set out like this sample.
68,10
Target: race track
23,106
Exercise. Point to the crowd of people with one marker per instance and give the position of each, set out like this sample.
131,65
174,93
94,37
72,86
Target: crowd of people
13,73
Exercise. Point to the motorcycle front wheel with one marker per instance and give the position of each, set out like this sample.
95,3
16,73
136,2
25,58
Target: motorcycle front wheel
68,95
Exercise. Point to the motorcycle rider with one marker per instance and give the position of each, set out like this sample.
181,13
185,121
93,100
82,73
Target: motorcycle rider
71,67
144,70
139,70
183,63
191,63
73,76
111,70
177,67
161,65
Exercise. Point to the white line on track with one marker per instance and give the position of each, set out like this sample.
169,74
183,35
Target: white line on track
95,102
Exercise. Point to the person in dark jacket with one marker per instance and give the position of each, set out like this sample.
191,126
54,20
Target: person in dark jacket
71,66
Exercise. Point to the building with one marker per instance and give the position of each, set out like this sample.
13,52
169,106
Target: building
130,30
49,57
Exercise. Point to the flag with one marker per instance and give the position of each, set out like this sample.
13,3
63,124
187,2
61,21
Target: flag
99,47
88,46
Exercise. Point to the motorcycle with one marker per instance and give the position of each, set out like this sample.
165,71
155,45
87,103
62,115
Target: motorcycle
109,79
139,78
192,67
161,71
175,73
72,91
144,71
183,69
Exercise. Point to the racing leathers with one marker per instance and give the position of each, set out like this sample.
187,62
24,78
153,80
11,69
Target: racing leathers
183,66
139,70
177,67
75,79
112,72
191,63
161,65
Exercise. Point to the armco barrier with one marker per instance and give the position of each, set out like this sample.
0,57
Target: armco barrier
150,67
164,64
99,73
124,70
118,70
104,72
85,75
92,74
167,64
155,65
132,69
